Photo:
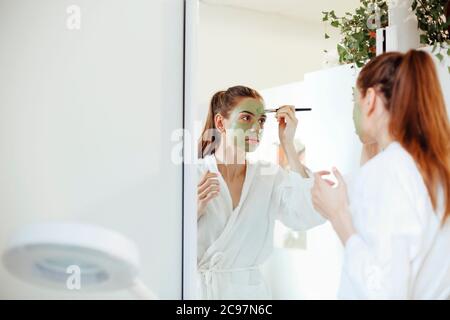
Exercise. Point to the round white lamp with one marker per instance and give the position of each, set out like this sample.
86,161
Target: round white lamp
54,254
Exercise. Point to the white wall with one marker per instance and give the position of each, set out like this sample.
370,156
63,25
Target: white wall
443,71
261,50
85,124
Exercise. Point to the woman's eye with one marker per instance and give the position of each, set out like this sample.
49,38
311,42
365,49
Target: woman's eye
262,121
245,118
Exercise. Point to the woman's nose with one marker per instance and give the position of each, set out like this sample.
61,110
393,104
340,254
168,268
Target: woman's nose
256,127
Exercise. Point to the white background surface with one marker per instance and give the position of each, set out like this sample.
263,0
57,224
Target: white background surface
85,124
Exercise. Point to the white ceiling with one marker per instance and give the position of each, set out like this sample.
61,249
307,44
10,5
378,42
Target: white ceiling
300,9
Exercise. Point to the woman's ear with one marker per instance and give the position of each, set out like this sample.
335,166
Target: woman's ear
218,122
369,101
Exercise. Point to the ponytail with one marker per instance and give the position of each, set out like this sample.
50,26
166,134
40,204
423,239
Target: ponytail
418,116
222,103
208,139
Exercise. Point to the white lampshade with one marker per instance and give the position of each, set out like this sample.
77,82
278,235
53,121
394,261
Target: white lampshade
42,253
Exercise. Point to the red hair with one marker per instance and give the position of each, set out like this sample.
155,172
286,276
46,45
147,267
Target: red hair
419,119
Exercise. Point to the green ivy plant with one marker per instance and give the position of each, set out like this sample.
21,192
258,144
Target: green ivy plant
358,31
433,18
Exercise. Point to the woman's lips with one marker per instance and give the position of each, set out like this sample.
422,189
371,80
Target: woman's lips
252,140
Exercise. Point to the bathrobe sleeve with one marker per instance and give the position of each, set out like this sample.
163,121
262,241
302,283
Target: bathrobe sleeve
293,201
377,258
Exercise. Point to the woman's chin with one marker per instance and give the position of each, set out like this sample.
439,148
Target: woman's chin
365,139
361,137
251,147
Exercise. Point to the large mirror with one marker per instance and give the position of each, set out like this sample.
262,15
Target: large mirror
255,234
248,245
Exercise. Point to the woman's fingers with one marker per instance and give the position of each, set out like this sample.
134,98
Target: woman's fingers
321,183
287,115
201,204
287,112
203,178
286,108
209,181
208,188
291,114
338,176
318,176
285,121
323,173
211,188
207,175
209,197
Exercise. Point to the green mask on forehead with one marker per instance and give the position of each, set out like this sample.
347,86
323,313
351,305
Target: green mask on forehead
357,115
246,122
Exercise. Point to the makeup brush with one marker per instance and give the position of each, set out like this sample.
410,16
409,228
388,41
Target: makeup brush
296,109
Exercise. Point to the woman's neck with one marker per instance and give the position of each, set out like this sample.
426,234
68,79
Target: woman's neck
384,139
229,162
230,156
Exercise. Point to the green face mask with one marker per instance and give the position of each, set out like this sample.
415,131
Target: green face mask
246,124
357,115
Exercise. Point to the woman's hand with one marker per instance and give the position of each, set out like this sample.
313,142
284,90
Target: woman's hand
207,189
287,125
332,204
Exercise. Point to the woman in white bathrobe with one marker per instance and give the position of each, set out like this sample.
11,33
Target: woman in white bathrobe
393,215
238,201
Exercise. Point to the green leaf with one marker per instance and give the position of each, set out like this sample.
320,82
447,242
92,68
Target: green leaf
440,57
423,39
448,69
360,11
448,52
335,23
333,14
356,45
327,36
341,50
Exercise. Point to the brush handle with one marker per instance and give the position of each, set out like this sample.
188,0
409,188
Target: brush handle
296,110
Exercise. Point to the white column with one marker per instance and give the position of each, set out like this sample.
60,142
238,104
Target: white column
402,33
191,100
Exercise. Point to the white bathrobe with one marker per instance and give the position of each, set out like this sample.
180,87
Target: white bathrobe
232,244
400,251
